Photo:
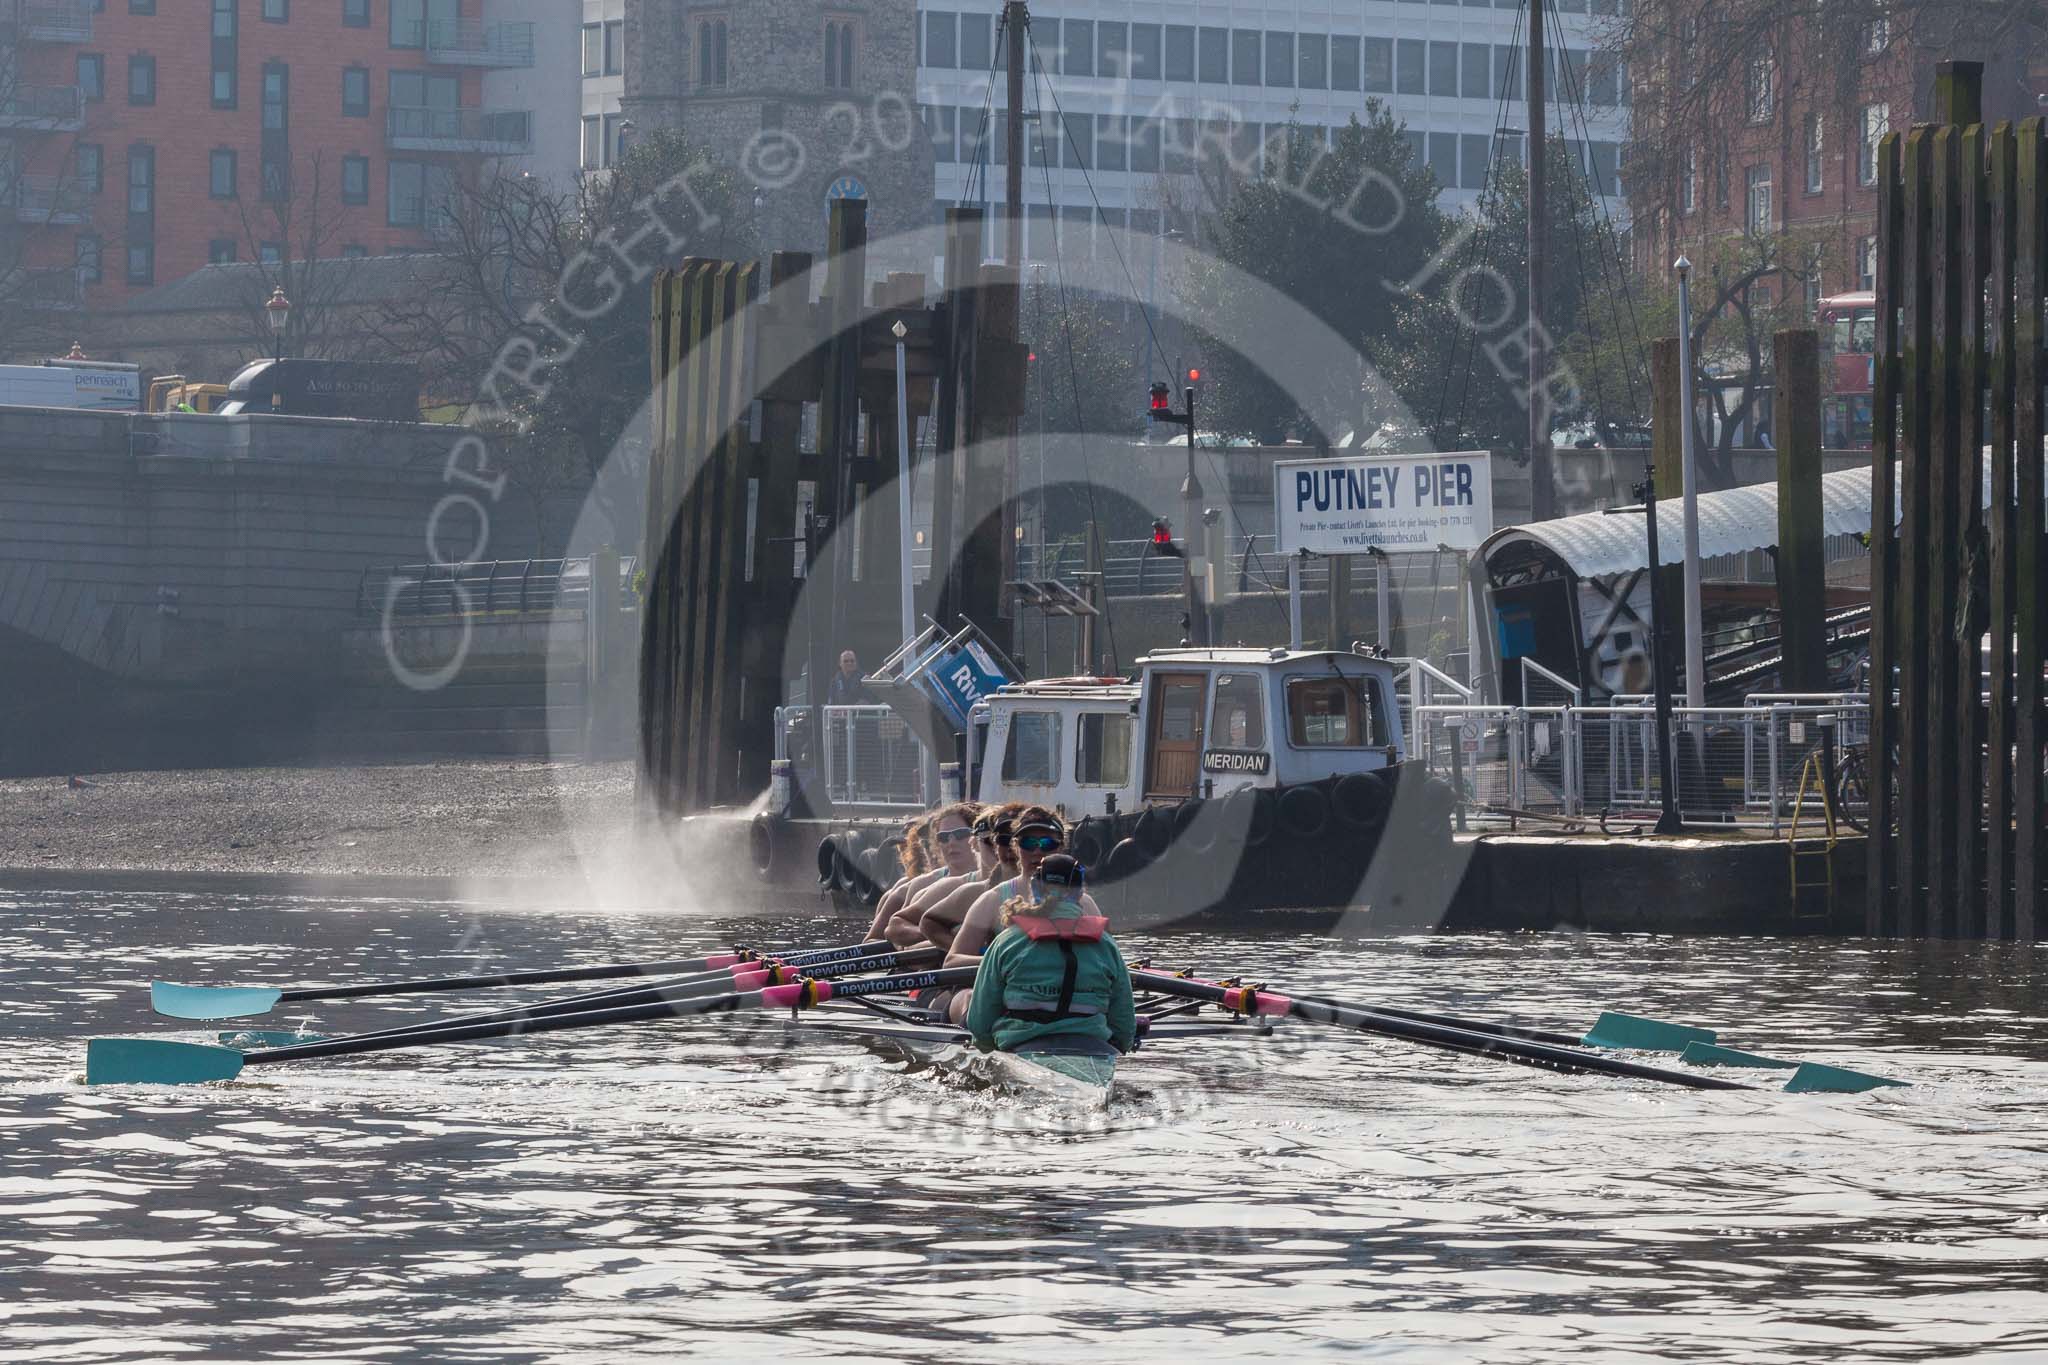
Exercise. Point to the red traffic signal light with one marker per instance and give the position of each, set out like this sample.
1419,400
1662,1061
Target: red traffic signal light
1194,376
1162,539
1162,400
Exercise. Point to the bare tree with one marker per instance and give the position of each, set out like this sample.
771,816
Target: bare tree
293,233
39,190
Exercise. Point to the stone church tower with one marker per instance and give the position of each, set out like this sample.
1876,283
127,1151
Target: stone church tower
809,100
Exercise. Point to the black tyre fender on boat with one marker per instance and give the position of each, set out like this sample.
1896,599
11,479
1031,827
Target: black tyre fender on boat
1265,804
1154,831
1127,859
1360,801
828,862
1304,812
761,846
875,867
1089,843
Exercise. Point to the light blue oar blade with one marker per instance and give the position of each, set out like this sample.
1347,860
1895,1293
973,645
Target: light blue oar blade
1814,1079
210,1002
1706,1054
157,1061
248,1039
1633,1033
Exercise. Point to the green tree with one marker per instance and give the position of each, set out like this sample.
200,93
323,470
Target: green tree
1338,229
1458,353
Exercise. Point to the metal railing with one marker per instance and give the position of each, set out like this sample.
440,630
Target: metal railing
48,21
51,287
503,43
483,587
50,199
502,132
871,757
1739,765
51,107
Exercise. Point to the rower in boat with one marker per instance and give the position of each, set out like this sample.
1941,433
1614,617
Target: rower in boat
1053,986
952,831
935,914
1036,834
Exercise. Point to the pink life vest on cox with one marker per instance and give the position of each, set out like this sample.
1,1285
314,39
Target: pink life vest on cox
1070,928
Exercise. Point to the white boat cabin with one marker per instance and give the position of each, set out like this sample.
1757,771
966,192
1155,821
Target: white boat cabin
1197,722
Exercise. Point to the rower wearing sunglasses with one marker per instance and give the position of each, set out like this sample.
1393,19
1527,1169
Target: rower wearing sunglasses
934,914
1036,834
952,830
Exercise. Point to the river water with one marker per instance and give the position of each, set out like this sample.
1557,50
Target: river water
722,1189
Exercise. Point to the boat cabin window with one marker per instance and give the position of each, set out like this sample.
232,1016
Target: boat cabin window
1103,756
1238,720
1033,755
1335,713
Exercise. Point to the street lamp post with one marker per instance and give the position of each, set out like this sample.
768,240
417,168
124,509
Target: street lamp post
1669,820
279,313
1191,495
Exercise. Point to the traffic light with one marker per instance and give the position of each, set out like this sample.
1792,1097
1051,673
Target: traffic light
1162,402
1162,539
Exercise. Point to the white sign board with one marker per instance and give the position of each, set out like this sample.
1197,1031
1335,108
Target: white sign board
1348,504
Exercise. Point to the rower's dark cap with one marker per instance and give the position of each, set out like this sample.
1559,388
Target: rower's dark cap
1062,870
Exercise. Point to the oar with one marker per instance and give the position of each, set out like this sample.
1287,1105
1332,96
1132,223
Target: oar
152,1061
235,1002
1247,1000
724,982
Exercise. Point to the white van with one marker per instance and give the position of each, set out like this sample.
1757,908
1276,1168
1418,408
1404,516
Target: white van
101,385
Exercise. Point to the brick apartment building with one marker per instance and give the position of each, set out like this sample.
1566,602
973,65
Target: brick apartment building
143,139
1775,131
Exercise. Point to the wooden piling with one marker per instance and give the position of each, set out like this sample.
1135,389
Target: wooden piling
1881,768
1999,533
2030,591
1802,570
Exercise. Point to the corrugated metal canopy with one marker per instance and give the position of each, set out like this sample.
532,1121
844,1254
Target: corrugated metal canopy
1599,545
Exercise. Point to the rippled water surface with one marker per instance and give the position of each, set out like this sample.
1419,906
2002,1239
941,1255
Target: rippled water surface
720,1187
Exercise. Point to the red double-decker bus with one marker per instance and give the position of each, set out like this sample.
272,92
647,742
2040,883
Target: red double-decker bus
1848,336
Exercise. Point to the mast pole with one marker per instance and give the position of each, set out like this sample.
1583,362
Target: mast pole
1015,17
1542,496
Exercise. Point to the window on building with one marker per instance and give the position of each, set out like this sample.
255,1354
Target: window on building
1603,82
225,50
1033,753
221,177
270,253
354,251
1476,78
1077,41
711,52
1145,54
1112,48
1877,35
1689,192
1442,153
942,125
89,167
1507,72
142,262
614,138
1103,756
142,179
839,53
1179,64
977,42
220,251
1247,61
1604,164
941,39
142,79
593,49
1760,89
408,23
1866,263
1344,62
1810,288
1443,69
405,188
1816,154
355,13
1145,152
92,76
1758,211
86,257
1876,120
1212,56
1473,159
1312,61
139,6
277,11
1411,71
355,180
593,142
355,92
615,47
276,96
1280,60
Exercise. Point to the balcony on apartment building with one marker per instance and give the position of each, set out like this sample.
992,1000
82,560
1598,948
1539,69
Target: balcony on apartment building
502,44
46,21
50,200
42,109
487,132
